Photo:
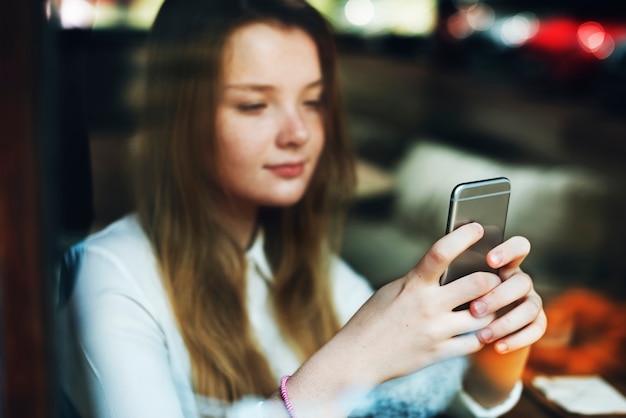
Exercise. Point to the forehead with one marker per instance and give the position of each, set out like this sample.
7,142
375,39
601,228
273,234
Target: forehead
270,53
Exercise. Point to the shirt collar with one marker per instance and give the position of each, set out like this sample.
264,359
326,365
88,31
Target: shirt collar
256,255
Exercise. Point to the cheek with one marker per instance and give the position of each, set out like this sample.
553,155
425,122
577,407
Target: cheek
319,148
232,153
235,144
318,140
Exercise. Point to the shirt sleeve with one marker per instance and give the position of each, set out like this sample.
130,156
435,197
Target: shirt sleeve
114,357
464,406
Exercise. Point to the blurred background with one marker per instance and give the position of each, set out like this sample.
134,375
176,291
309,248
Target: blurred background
436,92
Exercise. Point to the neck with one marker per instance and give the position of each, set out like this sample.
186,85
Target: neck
240,222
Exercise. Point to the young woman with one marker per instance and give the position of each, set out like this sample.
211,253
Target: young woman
224,288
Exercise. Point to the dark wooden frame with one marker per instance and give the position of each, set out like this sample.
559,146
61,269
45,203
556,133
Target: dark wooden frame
26,381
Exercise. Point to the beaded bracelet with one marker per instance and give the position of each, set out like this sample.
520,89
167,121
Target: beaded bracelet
285,397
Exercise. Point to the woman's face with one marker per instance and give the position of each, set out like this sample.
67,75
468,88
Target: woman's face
270,129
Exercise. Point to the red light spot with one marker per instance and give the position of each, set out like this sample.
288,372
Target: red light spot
556,35
591,36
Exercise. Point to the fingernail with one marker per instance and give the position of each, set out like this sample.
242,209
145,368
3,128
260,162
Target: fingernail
496,258
501,347
480,307
485,335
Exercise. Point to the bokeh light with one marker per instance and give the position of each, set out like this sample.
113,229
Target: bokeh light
480,16
518,29
594,39
75,14
359,12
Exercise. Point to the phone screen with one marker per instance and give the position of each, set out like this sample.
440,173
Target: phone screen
485,202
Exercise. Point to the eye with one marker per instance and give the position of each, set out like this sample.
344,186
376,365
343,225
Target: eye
314,103
251,107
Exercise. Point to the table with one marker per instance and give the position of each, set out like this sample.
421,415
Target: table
530,406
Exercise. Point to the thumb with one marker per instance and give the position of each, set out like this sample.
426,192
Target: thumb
441,253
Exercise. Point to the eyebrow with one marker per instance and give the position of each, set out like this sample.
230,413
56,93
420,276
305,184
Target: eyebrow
267,87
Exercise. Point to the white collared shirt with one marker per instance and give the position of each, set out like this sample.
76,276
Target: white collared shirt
121,353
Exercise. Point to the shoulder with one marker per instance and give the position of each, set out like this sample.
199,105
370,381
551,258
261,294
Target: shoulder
122,245
116,258
124,237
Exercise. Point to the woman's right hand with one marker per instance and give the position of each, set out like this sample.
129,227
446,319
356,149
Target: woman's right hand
410,323
405,326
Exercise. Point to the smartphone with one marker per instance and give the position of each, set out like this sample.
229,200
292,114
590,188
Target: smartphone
485,202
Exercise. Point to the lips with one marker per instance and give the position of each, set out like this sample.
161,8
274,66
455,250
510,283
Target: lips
287,170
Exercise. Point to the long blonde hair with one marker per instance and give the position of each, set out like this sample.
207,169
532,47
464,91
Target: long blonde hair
203,268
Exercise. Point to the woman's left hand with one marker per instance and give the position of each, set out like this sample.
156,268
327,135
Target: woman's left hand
521,320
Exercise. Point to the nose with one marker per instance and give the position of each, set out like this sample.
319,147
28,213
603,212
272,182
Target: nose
294,131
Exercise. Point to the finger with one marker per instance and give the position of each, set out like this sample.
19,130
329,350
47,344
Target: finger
509,255
519,317
524,337
462,322
472,287
517,287
446,249
460,345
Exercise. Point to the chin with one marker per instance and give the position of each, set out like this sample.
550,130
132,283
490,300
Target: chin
284,200
284,203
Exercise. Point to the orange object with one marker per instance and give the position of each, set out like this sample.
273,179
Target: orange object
586,334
